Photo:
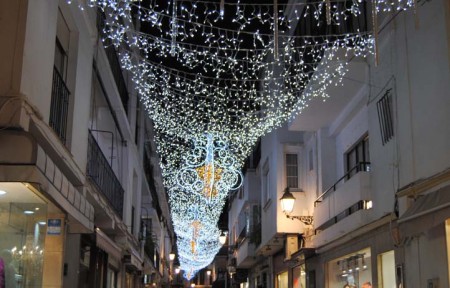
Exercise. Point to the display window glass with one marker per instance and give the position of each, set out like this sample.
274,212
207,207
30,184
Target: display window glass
350,271
129,280
299,277
23,226
282,280
386,268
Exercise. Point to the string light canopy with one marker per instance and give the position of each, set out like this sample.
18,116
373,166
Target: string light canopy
215,76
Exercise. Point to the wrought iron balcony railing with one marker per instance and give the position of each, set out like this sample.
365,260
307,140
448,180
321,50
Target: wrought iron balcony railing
113,60
59,108
361,166
103,176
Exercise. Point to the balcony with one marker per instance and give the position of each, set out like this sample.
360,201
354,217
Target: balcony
249,238
344,198
148,172
59,107
113,60
151,250
102,175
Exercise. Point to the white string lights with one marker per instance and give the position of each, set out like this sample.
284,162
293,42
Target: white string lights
217,75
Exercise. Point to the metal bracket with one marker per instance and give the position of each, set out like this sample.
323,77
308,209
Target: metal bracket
307,220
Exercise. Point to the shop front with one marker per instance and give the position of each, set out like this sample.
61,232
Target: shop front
28,230
41,202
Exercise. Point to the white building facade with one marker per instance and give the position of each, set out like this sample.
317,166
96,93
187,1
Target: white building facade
79,205
372,168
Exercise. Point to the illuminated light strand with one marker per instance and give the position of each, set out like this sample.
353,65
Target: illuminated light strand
152,88
155,19
174,31
356,45
184,106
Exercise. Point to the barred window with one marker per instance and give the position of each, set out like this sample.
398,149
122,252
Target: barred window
291,170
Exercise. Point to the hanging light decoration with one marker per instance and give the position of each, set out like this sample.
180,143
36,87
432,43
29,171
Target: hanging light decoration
213,85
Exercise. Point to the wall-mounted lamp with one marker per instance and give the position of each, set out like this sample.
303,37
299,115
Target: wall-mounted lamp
208,272
287,206
223,237
172,256
177,270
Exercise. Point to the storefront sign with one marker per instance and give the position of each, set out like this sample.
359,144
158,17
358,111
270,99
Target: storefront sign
54,227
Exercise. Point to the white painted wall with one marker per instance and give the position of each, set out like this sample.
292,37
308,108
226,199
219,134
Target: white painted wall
27,68
38,55
269,154
418,59
273,149
414,62
424,86
353,131
326,159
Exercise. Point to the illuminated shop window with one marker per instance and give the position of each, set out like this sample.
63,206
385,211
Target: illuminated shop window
282,280
386,266
299,276
351,270
23,228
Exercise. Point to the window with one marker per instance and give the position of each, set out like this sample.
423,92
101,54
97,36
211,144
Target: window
62,45
137,127
282,280
353,269
60,60
112,278
22,236
385,118
132,219
311,279
264,280
357,158
59,107
291,171
299,276
386,267
266,184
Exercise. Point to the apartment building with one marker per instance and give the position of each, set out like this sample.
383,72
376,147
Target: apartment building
81,197
370,165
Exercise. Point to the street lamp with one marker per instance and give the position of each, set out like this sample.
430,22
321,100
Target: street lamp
231,270
223,237
287,206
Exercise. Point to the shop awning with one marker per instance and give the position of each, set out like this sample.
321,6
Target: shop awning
427,213
108,245
429,203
